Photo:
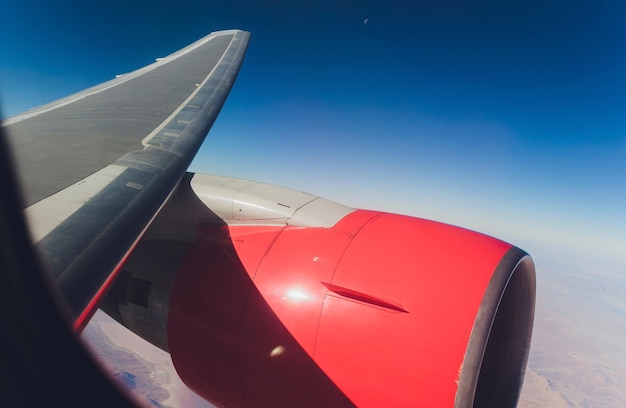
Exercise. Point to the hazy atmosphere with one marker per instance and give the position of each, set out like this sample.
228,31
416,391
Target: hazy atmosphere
506,118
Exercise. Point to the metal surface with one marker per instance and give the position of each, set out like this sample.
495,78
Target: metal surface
145,127
61,146
240,202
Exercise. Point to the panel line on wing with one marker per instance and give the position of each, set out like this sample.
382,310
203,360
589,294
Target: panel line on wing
47,214
64,245
186,104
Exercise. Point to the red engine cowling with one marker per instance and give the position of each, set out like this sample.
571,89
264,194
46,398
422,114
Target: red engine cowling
375,309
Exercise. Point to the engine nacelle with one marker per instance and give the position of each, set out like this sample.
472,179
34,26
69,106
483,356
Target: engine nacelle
269,297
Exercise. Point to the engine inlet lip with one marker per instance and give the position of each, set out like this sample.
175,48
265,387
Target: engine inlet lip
513,281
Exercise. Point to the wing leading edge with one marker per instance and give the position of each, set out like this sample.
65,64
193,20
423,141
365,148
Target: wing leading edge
97,166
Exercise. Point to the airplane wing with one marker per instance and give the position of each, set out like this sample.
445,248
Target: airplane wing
97,166
263,296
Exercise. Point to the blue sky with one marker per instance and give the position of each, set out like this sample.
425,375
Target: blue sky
504,118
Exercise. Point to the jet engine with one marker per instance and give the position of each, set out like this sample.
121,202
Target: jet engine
268,297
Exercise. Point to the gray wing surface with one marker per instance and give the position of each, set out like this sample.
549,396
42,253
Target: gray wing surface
97,166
